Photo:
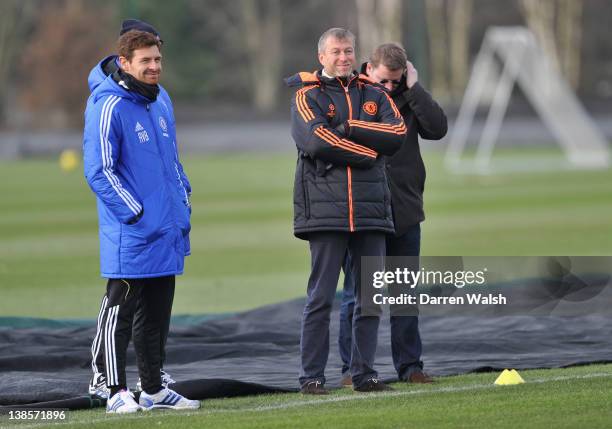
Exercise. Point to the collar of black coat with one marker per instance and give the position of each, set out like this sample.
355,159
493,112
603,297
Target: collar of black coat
364,69
367,79
316,78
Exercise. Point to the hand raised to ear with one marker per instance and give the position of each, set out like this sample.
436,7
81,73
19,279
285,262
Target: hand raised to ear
412,76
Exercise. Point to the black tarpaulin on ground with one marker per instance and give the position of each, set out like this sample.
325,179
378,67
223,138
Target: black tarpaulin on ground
258,352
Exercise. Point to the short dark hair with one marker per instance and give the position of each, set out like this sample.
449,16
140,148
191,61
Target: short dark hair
133,40
391,55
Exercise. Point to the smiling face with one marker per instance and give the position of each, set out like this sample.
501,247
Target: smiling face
338,57
145,64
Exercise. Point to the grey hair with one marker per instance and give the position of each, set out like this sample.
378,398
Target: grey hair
336,33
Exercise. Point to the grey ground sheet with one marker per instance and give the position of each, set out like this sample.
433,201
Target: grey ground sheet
262,346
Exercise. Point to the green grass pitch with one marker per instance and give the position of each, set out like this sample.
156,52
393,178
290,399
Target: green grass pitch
244,255
243,252
559,398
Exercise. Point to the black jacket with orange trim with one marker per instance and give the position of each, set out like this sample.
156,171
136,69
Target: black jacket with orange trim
344,126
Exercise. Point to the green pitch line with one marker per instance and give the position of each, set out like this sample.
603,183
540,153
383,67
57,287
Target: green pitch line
560,398
244,254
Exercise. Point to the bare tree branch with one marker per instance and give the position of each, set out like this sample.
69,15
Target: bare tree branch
460,16
262,24
438,48
569,36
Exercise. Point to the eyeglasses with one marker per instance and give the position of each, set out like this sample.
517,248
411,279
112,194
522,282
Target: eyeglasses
394,82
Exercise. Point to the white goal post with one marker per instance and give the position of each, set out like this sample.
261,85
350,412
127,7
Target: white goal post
524,63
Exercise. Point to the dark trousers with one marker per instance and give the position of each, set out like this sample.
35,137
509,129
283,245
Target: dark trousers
97,346
152,299
406,346
327,256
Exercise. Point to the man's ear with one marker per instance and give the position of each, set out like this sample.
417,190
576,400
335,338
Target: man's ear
124,63
369,68
321,58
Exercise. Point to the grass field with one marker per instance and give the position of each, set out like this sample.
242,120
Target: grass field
243,252
560,398
244,255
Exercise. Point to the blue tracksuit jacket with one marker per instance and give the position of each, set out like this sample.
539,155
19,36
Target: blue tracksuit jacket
131,164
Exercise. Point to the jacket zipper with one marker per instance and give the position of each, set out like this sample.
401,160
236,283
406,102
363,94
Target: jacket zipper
169,176
350,198
305,191
178,176
349,175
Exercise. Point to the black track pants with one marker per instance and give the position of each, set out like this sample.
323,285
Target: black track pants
97,346
152,299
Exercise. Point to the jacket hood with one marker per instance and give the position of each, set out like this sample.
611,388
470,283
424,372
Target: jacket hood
302,78
109,87
97,74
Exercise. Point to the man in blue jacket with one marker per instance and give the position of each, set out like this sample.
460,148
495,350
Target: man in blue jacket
131,163
98,74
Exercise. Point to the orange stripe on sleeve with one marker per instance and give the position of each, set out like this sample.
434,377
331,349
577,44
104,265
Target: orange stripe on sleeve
393,106
377,125
305,108
300,107
344,142
349,144
308,109
397,129
332,139
302,104
308,88
364,149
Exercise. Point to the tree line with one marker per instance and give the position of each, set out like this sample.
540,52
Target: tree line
235,53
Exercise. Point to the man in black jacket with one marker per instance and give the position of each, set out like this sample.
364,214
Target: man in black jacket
406,174
340,124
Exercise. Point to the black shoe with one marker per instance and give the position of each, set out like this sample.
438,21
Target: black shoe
372,385
314,388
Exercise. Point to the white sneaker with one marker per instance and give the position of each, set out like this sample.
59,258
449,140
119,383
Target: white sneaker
97,386
167,398
166,379
122,402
